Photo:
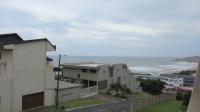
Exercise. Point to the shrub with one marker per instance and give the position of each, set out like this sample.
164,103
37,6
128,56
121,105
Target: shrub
179,96
116,87
152,86
108,92
62,107
186,98
123,95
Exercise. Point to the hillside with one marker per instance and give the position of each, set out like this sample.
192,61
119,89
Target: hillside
192,59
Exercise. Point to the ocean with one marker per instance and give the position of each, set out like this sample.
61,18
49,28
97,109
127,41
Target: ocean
151,65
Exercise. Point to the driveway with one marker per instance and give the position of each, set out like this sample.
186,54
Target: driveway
113,107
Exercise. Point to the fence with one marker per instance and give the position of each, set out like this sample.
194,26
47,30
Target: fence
87,92
140,104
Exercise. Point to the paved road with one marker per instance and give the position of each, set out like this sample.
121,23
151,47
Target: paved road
114,107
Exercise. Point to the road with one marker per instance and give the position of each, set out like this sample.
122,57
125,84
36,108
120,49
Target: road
113,107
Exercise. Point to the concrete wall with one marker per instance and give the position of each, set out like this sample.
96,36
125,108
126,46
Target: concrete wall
5,94
122,71
28,71
195,99
69,94
26,66
5,80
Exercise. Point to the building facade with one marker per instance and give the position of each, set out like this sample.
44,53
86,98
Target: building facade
26,75
101,75
178,80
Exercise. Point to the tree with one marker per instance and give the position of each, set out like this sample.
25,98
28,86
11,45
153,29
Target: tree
116,87
152,86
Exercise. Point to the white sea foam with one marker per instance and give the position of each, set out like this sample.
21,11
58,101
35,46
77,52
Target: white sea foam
159,69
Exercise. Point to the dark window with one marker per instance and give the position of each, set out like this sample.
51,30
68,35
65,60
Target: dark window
102,84
93,71
84,70
118,70
119,79
111,72
78,76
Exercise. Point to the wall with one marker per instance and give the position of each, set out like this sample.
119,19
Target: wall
68,72
5,80
5,94
195,98
119,70
29,73
69,94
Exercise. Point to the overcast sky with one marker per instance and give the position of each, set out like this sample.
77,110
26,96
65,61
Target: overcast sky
108,27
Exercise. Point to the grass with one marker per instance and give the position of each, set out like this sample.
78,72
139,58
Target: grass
73,104
82,102
168,106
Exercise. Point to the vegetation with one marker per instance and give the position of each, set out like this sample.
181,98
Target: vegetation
168,106
185,98
120,90
186,72
116,87
151,86
74,104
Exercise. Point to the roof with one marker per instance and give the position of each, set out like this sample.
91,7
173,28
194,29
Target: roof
14,38
10,38
84,65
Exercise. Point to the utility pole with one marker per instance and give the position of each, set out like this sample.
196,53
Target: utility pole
58,78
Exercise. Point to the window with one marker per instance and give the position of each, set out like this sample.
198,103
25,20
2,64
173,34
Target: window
102,84
93,71
0,56
78,76
119,79
111,72
84,70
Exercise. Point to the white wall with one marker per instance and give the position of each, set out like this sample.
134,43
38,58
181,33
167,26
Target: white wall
26,65
5,94
69,94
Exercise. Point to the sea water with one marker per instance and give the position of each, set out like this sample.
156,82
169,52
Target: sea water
151,65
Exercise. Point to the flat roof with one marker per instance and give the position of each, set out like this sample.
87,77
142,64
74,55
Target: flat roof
90,65
14,38
84,64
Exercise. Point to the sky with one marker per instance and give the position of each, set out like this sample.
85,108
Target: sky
156,28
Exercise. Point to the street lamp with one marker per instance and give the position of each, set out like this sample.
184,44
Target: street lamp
58,78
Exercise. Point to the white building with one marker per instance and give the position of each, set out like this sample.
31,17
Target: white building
171,81
26,77
101,75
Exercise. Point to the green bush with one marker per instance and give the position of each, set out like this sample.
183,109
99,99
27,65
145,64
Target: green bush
123,95
153,87
186,98
179,96
108,92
